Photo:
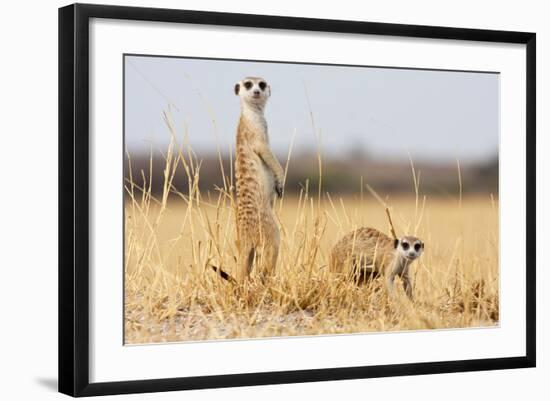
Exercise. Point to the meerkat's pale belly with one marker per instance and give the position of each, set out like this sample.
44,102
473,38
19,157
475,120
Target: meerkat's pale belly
268,181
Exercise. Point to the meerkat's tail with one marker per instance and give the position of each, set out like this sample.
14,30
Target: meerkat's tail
223,274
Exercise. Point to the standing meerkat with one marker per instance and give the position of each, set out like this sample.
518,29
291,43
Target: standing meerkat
259,177
367,251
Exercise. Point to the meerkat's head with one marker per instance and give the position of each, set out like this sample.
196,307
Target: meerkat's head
409,247
253,91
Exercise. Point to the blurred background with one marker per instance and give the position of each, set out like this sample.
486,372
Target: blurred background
369,123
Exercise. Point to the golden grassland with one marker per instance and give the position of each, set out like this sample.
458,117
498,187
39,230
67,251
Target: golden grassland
172,295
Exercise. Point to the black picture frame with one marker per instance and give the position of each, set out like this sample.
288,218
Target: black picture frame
74,198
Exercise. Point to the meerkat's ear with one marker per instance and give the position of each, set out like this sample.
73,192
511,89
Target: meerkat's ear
422,245
395,243
237,87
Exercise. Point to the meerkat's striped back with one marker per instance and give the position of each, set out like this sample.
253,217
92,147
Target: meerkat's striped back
364,248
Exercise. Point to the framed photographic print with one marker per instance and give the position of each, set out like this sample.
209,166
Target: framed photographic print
296,199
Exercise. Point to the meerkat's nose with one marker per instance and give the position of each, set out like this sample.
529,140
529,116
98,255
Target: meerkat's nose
256,91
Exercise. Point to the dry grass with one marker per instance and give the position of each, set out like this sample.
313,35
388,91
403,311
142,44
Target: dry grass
171,295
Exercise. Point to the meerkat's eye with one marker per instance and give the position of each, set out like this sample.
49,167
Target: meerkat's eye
262,85
417,246
405,245
248,85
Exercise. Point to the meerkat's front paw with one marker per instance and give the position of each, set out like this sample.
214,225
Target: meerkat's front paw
279,189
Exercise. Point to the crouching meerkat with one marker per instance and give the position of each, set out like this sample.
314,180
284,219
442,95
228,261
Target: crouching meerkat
369,252
259,177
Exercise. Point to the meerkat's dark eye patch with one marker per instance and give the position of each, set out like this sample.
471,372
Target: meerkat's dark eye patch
262,85
417,247
405,245
248,85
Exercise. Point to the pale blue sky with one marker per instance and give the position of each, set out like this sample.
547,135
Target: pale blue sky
391,113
